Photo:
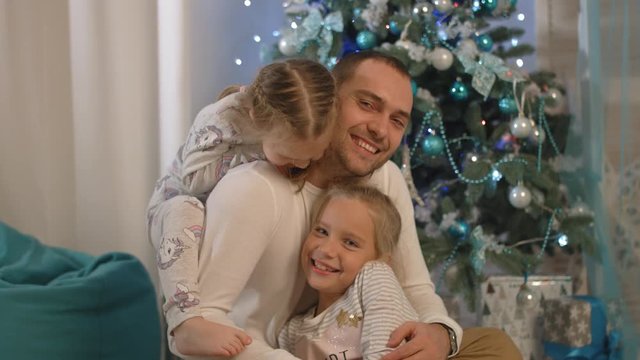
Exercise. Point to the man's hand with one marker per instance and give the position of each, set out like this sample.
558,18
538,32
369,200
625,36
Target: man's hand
424,342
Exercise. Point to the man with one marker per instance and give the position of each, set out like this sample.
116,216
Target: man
257,220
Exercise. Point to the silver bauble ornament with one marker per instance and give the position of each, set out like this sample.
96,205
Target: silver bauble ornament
554,102
537,135
443,5
468,47
526,297
423,8
520,127
287,47
441,58
520,196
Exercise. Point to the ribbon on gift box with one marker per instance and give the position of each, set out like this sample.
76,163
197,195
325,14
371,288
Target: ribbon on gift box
602,347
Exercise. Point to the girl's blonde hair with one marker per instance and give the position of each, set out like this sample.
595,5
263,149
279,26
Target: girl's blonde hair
294,96
385,216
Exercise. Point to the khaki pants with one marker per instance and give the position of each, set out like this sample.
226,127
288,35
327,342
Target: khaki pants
487,343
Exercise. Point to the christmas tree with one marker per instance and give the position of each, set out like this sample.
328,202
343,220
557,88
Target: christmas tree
483,155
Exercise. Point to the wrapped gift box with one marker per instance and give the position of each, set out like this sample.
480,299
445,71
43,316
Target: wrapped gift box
523,322
577,325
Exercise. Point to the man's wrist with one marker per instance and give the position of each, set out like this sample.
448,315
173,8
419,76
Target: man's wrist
453,340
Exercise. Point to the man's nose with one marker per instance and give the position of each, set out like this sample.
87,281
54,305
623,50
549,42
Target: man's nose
378,126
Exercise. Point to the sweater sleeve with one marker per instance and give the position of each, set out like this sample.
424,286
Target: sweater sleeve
242,213
385,308
408,261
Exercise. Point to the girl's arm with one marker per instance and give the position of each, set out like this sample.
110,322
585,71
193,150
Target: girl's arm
214,146
385,308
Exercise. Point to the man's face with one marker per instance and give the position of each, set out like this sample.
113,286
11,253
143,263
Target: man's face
374,106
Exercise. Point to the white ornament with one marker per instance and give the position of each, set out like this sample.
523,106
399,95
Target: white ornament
286,47
532,90
423,8
520,196
441,58
425,95
526,298
443,5
555,101
520,127
468,48
537,135
374,14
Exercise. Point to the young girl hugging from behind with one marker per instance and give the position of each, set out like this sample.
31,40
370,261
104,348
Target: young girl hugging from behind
354,231
285,117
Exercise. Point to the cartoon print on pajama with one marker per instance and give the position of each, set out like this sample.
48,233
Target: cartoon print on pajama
207,137
183,298
170,250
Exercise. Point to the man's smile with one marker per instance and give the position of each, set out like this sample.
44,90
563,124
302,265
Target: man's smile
365,144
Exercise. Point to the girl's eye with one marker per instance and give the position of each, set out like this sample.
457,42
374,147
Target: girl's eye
320,231
351,243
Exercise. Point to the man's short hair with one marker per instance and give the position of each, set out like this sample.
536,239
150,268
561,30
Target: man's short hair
345,68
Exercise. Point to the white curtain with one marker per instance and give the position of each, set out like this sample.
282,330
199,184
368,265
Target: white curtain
95,98
78,134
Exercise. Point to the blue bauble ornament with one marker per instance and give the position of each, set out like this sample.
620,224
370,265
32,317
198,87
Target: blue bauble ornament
459,91
489,5
484,42
432,145
414,87
366,40
459,229
508,105
395,28
506,142
348,46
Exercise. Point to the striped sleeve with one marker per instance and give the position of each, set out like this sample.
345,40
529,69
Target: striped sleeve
384,307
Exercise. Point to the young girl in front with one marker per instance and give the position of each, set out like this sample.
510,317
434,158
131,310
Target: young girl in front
360,301
285,117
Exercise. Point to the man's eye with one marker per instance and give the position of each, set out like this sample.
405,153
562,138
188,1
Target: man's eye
366,104
400,123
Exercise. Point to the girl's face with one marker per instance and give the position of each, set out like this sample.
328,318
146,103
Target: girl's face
294,151
339,244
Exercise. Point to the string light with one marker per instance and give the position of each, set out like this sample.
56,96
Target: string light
514,42
238,61
520,63
294,25
496,175
563,240
257,38
275,33
521,17
247,3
